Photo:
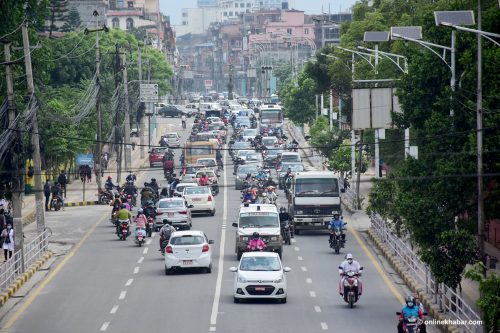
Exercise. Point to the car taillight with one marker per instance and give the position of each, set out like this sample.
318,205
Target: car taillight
205,248
168,249
183,212
209,198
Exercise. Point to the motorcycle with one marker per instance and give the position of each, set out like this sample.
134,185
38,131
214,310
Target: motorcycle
140,236
286,232
150,226
351,288
56,202
411,324
105,197
123,230
113,219
337,240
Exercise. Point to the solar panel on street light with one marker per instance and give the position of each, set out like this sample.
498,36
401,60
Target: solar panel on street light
458,17
413,32
376,36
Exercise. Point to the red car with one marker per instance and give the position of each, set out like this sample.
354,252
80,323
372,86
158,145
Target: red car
156,156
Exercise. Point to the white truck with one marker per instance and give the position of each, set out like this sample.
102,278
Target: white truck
315,196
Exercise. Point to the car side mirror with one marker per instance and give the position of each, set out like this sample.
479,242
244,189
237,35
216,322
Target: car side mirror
361,268
233,269
235,224
210,241
398,313
286,269
425,313
342,190
345,223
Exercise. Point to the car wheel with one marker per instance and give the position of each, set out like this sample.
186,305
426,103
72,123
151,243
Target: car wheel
208,270
236,300
283,300
239,254
212,213
167,271
151,165
280,252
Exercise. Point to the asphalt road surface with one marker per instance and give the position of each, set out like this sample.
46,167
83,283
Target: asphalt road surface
107,285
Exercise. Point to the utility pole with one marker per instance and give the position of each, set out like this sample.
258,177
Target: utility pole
17,179
35,140
230,84
358,203
141,121
127,156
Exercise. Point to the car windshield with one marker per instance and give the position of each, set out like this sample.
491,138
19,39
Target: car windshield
290,158
240,145
201,150
258,220
244,169
207,162
180,187
242,153
208,173
293,167
270,115
158,151
268,141
250,132
196,190
171,136
260,264
187,240
253,157
242,120
324,187
192,169
171,204
274,152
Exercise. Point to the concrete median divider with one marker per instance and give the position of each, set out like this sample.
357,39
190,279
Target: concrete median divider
23,278
81,203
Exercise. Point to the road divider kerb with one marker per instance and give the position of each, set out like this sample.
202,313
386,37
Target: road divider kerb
21,280
81,203
433,309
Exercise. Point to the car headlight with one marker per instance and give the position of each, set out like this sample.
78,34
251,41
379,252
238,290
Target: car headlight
241,279
279,280
274,238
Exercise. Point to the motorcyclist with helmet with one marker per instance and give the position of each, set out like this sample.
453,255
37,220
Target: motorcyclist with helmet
350,265
165,233
256,243
411,309
147,194
131,177
272,197
285,218
123,214
247,196
337,223
131,190
140,219
155,186
110,186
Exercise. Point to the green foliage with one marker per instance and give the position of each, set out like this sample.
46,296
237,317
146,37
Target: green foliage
340,159
73,20
489,300
298,99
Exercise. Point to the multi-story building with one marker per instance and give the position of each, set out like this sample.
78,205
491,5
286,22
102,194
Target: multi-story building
327,27
197,20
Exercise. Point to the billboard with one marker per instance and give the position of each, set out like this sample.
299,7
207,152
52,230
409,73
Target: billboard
373,107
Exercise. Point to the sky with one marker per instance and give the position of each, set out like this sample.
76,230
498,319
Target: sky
173,8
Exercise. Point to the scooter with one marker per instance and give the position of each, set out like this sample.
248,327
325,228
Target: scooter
140,236
337,240
411,324
105,197
286,233
55,202
123,229
351,283
150,226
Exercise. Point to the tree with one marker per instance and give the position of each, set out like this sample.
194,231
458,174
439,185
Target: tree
298,99
340,158
58,13
73,20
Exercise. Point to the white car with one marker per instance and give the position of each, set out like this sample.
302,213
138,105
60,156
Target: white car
201,199
260,275
179,189
290,157
249,133
188,249
173,139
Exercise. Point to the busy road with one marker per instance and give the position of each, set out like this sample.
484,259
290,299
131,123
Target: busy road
114,286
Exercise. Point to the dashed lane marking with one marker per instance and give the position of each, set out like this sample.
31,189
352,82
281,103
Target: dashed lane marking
309,280
317,308
312,294
141,259
300,258
122,295
129,282
324,326
114,309
145,251
136,270
212,329
104,326
149,241
303,268
294,240
296,248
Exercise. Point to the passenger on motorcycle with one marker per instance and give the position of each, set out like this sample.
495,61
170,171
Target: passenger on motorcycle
130,188
116,203
147,194
271,194
155,186
203,181
110,186
261,175
128,203
270,182
165,233
256,243
141,219
337,223
131,177
350,265
247,196
149,209
410,309
123,214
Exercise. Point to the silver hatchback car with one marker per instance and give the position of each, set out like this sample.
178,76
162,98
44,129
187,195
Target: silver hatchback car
175,210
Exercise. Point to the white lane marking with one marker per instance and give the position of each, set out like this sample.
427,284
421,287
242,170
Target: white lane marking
220,268
300,258
141,259
324,326
317,308
296,248
114,309
303,268
153,235
212,329
293,240
149,241
312,294
123,294
129,282
136,270
104,326
309,280
145,251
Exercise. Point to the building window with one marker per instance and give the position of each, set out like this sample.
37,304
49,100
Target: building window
130,23
115,23
119,3
236,5
249,5
184,14
130,4
184,23
306,31
230,13
225,13
289,31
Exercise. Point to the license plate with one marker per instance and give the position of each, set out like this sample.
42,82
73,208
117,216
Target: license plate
139,238
260,289
170,214
196,199
187,262
317,220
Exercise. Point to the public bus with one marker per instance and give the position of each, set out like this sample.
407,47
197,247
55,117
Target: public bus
193,150
270,116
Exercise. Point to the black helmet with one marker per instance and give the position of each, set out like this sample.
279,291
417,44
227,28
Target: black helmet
255,235
146,184
410,302
153,179
167,222
282,210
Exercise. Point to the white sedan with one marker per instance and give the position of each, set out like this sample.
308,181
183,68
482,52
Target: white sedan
260,275
201,199
188,249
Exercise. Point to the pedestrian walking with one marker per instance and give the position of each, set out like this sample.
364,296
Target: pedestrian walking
63,181
8,241
46,193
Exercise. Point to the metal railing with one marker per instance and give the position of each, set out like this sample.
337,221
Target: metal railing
448,301
23,259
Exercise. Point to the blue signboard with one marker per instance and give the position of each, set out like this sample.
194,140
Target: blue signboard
85,159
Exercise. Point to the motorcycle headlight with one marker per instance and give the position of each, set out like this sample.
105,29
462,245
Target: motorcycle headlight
346,283
279,280
241,279
355,283
337,232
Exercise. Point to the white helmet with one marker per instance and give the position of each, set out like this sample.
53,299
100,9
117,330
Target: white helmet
349,257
